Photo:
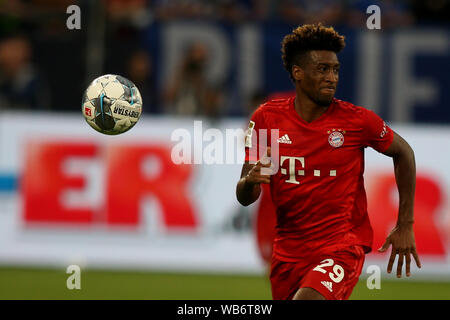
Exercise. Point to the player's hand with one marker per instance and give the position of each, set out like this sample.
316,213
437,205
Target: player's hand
255,175
404,245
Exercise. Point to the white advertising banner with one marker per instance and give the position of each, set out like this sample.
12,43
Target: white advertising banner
69,195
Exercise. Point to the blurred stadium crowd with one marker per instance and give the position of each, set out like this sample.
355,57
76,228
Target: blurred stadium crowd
43,66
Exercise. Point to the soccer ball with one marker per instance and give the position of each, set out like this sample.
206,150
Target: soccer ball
112,104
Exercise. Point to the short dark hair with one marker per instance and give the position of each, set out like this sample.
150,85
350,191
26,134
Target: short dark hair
306,38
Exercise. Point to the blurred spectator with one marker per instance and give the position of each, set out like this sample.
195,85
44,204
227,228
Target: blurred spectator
140,72
173,9
35,16
431,10
328,12
134,12
262,10
393,13
188,93
21,86
233,11
256,99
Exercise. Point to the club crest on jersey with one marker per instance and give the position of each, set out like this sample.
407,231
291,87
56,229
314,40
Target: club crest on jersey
336,137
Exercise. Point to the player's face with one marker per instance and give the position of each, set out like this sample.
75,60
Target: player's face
320,76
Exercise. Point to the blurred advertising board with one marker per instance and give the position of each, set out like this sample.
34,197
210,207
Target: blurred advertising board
69,195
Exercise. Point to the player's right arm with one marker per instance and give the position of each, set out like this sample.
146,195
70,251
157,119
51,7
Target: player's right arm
248,187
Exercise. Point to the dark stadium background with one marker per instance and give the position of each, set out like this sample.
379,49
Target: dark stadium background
400,71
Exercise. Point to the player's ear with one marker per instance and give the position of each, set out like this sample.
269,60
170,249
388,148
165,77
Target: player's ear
297,72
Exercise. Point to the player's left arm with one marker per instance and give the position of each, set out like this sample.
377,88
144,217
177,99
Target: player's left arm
402,236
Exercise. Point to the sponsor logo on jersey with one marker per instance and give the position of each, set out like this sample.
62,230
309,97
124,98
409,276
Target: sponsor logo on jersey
284,139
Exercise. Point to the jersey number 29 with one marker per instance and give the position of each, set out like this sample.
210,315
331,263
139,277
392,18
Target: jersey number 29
338,272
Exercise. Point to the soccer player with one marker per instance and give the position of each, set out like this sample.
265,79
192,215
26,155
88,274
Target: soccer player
322,227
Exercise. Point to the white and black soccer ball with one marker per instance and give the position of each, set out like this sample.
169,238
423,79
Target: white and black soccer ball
112,104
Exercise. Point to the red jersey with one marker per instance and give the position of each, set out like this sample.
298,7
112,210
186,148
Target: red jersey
318,190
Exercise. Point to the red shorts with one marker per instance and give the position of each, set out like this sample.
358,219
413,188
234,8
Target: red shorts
333,275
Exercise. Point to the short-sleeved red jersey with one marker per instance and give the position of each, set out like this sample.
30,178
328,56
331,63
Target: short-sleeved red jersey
318,190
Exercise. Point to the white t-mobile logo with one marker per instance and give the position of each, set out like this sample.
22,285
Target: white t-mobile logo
292,172
292,168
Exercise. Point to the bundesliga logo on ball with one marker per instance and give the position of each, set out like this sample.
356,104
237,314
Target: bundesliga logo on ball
112,104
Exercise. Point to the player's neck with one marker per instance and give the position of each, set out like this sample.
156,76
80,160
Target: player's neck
307,109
